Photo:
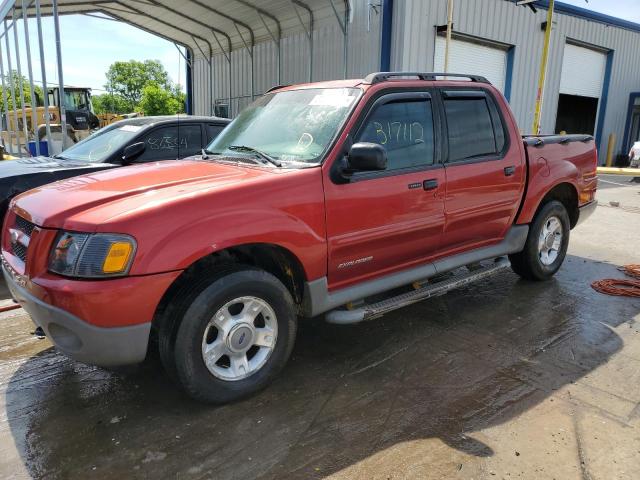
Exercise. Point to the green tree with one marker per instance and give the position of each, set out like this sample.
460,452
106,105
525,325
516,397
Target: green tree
157,100
17,81
109,103
128,79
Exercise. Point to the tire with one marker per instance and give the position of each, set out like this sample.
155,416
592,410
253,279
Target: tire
544,251
245,322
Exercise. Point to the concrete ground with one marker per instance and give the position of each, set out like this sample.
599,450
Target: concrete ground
503,379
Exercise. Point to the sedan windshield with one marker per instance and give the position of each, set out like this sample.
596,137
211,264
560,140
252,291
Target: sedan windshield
291,126
101,145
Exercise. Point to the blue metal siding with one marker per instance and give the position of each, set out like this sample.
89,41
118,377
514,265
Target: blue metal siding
603,100
385,47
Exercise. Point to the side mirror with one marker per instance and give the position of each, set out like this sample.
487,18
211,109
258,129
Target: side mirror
131,152
364,156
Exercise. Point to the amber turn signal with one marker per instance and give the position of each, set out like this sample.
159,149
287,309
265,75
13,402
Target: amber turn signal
117,257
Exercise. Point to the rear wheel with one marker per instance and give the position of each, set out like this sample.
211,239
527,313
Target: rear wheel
546,245
235,337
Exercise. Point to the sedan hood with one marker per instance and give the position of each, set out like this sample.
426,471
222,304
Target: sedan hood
29,165
82,203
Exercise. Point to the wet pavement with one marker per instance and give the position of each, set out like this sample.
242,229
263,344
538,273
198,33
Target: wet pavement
502,379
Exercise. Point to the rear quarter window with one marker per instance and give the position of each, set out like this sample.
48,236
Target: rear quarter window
213,131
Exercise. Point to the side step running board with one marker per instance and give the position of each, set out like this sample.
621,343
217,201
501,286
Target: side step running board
375,310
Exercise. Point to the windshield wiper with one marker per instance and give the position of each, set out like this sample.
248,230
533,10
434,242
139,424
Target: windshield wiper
259,153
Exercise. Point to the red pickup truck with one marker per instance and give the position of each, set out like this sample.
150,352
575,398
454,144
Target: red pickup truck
314,199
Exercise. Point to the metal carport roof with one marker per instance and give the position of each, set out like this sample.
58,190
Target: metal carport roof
205,26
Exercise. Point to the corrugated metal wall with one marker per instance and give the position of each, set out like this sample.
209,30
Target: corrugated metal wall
413,47
363,58
414,42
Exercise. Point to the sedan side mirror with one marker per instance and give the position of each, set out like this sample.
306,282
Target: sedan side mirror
365,156
131,152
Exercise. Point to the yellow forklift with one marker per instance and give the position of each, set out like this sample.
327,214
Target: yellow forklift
80,117
81,120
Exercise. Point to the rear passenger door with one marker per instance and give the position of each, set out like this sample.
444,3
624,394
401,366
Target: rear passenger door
484,170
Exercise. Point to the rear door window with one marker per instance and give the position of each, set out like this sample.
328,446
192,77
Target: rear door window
189,140
474,127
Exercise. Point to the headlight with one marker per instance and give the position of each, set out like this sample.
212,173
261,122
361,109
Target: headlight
92,255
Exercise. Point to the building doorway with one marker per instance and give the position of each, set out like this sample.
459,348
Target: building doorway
576,114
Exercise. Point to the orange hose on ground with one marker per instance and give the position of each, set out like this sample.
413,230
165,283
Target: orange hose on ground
631,270
6,308
620,287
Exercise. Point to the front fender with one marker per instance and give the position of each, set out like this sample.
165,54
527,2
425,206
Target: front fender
178,248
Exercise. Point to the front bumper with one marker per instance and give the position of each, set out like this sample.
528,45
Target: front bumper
585,211
101,346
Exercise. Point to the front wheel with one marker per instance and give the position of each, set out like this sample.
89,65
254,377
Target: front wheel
546,245
235,336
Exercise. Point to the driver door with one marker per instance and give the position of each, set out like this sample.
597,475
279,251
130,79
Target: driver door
384,221
171,142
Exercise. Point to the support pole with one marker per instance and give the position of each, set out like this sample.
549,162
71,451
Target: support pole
610,146
16,46
227,55
45,87
63,110
308,32
344,25
13,90
249,49
543,70
34,104
276,42
210,74
5,101
447,43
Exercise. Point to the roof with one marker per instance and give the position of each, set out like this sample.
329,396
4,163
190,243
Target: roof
204,26
160,119
208,27
349,83
587,14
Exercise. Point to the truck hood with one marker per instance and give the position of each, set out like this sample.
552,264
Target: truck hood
88,200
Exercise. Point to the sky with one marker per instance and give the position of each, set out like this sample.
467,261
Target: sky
625,9
91,44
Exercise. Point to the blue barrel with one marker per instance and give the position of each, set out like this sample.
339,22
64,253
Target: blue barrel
44,148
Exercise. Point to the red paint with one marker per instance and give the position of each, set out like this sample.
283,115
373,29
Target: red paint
179,212
573,163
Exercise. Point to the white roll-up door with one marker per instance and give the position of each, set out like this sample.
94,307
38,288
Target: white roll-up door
582,71
474,59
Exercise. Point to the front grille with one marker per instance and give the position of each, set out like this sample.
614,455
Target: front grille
19,251
24,225
19,244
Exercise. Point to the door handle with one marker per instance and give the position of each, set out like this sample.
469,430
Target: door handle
430,184
510,170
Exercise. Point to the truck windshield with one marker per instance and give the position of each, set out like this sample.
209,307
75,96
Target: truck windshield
291,126
99,146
